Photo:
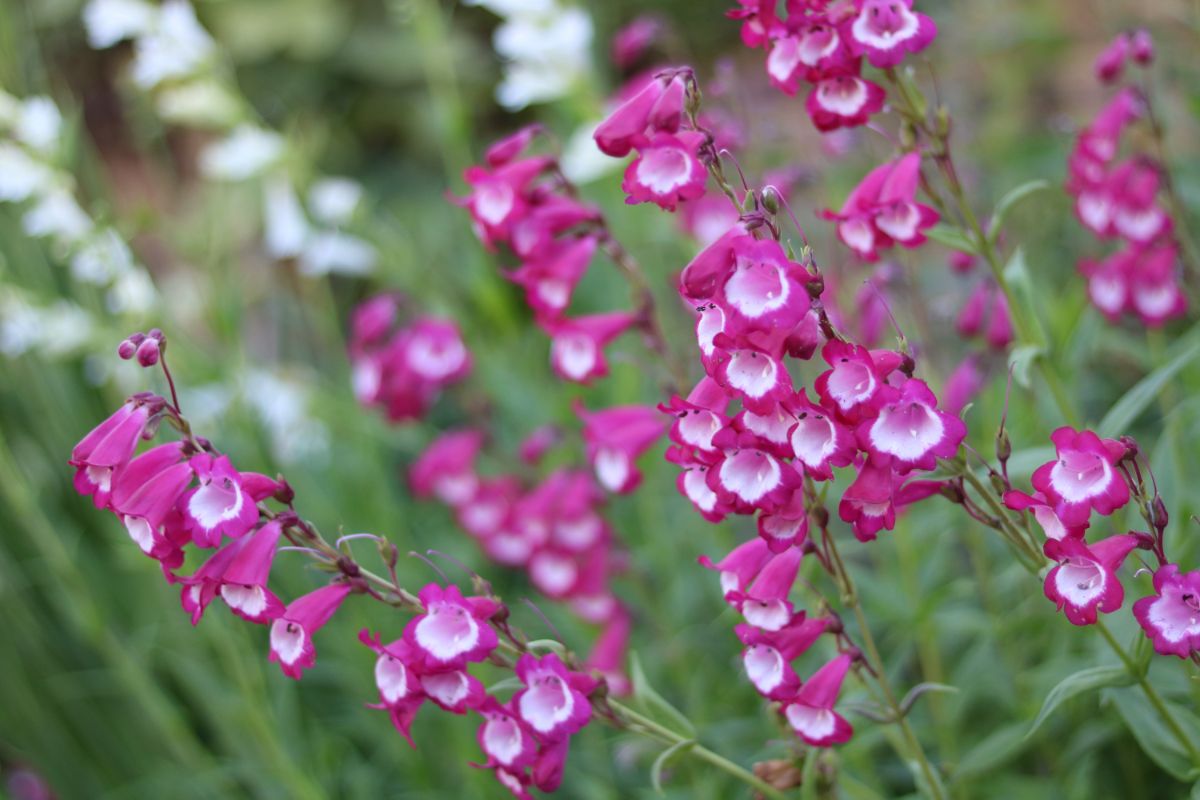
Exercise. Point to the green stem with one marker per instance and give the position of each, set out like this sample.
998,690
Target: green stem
1031,558
1151,694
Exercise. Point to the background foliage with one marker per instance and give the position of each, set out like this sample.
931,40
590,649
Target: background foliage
107,691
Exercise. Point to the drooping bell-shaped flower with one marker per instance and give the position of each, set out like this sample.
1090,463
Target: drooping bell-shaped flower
759,21
692,483
453,631
292,633
615,437
549,281
503,737
699,417
667,171
244,581
871,502
767,655
146,489
765,603
109,445
886,30
1111,61
222,505
446,469
577,343
910,430
434,350
853,386
1085,580
810,712
747,476
901,218
786,526
764,289
740,566
856,220
1045,515
1171,616
399,684
843,100
1156,293
554,701
818,440
498,197
1083,477
658,106
201,587
456,690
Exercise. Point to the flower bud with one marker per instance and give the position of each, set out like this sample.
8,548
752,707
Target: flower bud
1141,47
126,349
771,200
147,352
1159,515
1003,445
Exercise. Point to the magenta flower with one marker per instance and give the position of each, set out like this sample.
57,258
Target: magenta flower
446,469
291,634
201,587
434,350
764,289
1157,294
740,566
554,701
767,656
813,50
498,197
243,583
910,430
453,631
658,106
1084,476
222,505
456,690
1085,580
577,345
900,217
843,101
752,371
550,279
146,489
1171,616
504,738
1045,515
810,712
399,685
853,384
963,385
764,604
747,477
885,30
109,445
667,170
1111,61
871,502
787,526
692,483
633,40
534,232
759,21
818,440
1141,47
615,437
698,418
507,149
610,651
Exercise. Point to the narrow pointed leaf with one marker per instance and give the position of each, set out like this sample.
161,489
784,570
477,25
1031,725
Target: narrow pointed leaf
1085,680
660,763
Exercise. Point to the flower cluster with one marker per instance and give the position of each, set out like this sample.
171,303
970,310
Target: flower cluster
1122,200
553,530
1086,476
403,370
824,43
882,210
183,494
756,307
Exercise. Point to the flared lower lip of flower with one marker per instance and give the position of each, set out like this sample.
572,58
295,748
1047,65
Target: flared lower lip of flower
434,359
251,601
908,431
1078,476
287,640
449,689
548,704
696,428
215,502
392,678
901,222
553,573
613,468
851,383
901,26
752,373
765,667
770,615
858,234
757,288
493,201
664,169
576,355
447,631
750,475
1081,583
814,439
502,740
844,96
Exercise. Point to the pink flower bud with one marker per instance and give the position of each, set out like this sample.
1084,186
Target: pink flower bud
147,352
1111,63
126,349
1141,47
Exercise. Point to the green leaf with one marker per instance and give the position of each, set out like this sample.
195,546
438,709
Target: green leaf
1136,400
652,703
954,238
922,780
1009,200
1020,284
993,751
1155,738
660,763
1020,361
1086,680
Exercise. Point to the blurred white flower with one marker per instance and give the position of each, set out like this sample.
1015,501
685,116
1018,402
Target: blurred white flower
285,226
112,21
510,8
21,176
55,330
333,200
56,214
174,47
281,402
202,103
10,110
244,153
334,251
132,293
39,124
582,161
102,258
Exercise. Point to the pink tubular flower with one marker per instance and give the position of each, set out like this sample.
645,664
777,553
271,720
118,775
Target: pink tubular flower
456,690
764,604
692,483
146,489
396,678
658,106
201,587
1171,616
554,701
1084,476
759,21
577,346
1085,579
1141,47
109,445
900,217
1044,513
1157,295
810,712
291,634
747,477
818,440
667,170
221,505
698,418
853,384
453,631
786,526
910,430
964,383
503,737
434,350
870,503
609,653
740,566
1111,62
550,280
243,584
631,41
446,469
505,150
885,30
615,437
764,289
843,101
497,197
767,656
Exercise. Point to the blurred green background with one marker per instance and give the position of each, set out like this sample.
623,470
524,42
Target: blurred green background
107,691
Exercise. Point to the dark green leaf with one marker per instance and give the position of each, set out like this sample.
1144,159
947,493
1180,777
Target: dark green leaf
1126,410
1086,680
653,704
1154,736
954,238
1009,200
